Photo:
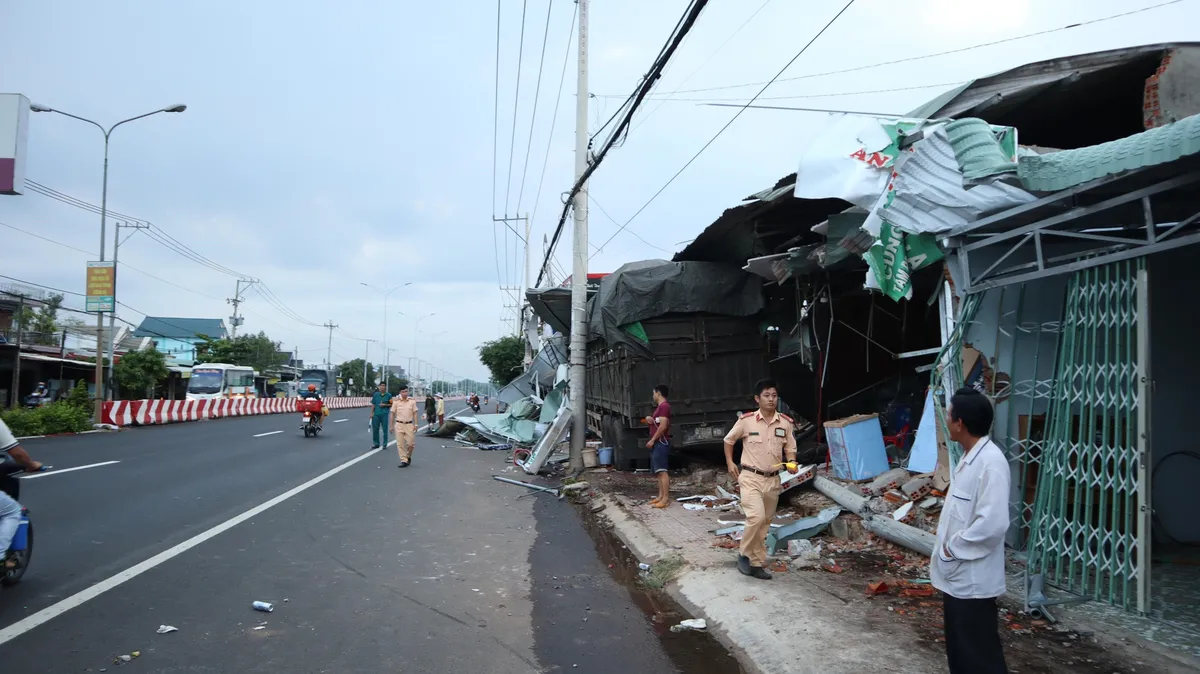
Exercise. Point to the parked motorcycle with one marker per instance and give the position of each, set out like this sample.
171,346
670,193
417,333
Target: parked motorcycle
311,409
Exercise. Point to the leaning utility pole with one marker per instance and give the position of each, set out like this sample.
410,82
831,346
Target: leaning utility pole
235,321
329,348
579,250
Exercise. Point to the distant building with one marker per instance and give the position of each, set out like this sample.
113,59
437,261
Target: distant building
177,337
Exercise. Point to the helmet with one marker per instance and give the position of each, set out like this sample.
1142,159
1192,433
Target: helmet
312,387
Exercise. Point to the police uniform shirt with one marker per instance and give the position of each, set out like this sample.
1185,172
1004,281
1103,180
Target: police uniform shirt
765,442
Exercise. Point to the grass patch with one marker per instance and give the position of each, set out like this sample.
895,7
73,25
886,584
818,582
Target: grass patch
662,572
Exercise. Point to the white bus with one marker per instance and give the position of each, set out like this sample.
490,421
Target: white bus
211,381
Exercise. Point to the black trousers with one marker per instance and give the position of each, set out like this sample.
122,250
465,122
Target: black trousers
973,636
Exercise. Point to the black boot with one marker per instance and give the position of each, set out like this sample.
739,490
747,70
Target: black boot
743,565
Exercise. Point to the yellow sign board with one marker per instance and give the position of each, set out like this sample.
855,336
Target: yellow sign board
101,286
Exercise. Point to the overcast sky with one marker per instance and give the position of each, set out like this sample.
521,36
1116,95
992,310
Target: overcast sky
330,144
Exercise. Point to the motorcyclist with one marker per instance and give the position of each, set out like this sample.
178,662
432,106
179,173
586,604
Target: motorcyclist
10,511
475,402
313,394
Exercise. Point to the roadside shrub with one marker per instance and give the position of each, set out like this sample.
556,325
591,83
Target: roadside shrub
60,417
79,397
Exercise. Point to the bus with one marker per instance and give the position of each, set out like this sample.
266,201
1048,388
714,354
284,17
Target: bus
210,381
326,381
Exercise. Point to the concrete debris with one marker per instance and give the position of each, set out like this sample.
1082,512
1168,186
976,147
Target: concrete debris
574,486
691,624
804,549
931,504
903,512
895,496
167,629
918,488
877,588
892,479
802,528
831,566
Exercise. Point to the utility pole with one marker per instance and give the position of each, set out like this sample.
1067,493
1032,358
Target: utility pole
329,348
14,396
235,321
526,310
112,317
579,251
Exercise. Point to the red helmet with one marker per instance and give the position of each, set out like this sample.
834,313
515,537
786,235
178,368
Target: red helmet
312,387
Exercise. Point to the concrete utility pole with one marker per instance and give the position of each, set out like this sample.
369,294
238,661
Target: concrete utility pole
235,320
112,318
579,251
329,348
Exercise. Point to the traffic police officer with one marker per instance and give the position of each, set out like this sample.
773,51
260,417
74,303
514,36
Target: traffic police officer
767,443
380,403
404,420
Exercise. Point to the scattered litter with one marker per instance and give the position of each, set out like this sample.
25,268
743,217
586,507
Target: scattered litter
136,654
750,598
697,624
494,447
931,504
779,566
877,588
167,629
260,627
526,485
710,503
125,658
806,527
726,543
263,606
831,566
644,566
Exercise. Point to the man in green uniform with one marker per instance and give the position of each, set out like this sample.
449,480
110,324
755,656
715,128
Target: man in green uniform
381,405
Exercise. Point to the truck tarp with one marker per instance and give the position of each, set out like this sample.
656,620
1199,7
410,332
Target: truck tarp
643,290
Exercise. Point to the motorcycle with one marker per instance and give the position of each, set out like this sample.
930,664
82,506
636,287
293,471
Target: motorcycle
20,551
312,413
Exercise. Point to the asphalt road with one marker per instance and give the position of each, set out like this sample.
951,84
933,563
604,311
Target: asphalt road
372,568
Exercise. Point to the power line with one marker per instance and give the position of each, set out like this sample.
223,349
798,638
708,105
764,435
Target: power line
554,118
537,90
595,203
944,53
648,82
496,121
728,124
705,63
659,97
512,145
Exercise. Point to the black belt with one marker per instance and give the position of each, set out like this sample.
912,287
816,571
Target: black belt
764,473
404,422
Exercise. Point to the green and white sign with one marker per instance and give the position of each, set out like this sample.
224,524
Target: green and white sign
896,255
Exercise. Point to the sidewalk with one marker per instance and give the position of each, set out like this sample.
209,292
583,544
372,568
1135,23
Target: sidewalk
814,620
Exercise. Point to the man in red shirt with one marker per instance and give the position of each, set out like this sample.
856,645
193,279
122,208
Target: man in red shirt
660,445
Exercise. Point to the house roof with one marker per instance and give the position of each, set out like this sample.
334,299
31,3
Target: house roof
180,328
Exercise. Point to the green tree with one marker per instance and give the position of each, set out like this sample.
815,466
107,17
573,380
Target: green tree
353,369
138,372
40,326
256,351
503,357
395,382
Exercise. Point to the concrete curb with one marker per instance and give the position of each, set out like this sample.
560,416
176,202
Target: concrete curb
649,548
59,435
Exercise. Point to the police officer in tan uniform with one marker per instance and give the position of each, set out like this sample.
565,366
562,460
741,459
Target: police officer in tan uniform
404,418
767,442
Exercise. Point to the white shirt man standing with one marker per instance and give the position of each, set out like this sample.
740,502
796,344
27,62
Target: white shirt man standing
968,563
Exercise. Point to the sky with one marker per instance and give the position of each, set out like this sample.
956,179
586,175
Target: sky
328,145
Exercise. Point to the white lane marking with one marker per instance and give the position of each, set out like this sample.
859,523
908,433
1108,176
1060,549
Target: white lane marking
45,615
338,421
263,435
66,470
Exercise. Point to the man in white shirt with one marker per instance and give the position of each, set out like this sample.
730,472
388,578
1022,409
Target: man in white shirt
968,563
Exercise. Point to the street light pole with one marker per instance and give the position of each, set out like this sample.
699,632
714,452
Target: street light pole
387,353
99,409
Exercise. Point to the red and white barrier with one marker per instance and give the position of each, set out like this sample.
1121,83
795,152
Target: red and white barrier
156,412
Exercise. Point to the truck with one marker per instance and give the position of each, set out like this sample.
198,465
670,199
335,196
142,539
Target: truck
695,327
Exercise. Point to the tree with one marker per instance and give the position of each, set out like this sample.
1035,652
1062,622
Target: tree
353,369
138,372
395,383
256,351
41,325
503,357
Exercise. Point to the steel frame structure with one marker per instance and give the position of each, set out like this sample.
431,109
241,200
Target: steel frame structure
1096,249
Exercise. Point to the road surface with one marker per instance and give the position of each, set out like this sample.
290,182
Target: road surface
371,568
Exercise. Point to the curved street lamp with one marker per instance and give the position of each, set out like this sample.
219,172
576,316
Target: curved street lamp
103,220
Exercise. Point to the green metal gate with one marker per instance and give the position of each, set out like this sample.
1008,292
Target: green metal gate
1090,533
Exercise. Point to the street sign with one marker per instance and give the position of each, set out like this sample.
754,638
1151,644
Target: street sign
101,286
